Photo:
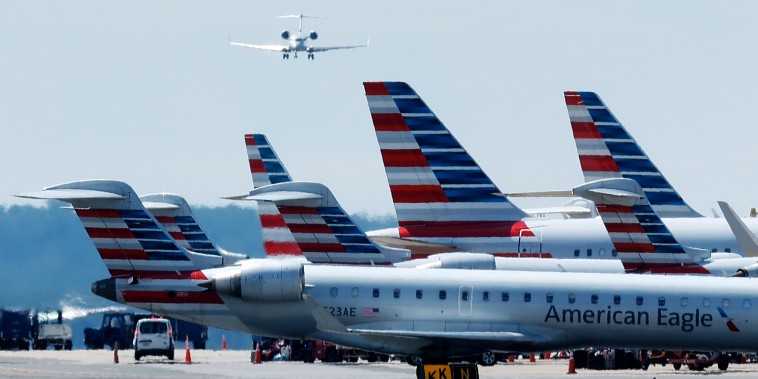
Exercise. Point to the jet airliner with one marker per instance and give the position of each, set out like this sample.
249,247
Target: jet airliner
297,42
438,315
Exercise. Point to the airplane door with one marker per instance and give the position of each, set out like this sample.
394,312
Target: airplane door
465,293
529,245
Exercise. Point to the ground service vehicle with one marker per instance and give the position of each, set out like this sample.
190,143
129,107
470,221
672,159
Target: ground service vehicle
119,326
48,329
153,336
15,329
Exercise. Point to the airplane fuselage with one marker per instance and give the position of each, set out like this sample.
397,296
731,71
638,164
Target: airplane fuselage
460,312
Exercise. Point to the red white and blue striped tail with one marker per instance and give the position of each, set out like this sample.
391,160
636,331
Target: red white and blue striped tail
305,219
175,215
440,193
130,241
607,150
265,166
643,242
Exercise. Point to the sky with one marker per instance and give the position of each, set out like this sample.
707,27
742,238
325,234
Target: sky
150,92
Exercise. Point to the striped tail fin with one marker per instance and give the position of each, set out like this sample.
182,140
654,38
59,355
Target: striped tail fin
265,166
130,241
643,242
175,215
439,191
305,219
607,150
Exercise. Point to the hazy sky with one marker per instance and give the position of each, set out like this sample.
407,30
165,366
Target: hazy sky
150,92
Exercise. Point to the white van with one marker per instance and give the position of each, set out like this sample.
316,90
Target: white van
153,336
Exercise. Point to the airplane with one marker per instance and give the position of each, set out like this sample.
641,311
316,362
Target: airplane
645,244
443,199
436,315
297,42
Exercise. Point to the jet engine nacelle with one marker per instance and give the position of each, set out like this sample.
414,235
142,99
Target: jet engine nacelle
286,34
264,281
750,271
313,35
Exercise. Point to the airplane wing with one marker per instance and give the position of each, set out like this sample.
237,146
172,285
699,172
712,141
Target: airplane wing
279,48
315,49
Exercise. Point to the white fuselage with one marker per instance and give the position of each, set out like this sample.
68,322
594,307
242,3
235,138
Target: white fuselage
550,311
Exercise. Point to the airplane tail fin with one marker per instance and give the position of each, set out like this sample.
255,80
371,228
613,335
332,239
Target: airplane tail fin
265,166
130,241
305,219
433,179
641,239
607,150
175,215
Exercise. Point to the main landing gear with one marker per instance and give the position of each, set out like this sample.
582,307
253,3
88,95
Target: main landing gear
311,56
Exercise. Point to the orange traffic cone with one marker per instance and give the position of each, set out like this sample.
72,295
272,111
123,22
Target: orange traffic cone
511,357
187,355
532,358
223,342
257,354
115,353
572,366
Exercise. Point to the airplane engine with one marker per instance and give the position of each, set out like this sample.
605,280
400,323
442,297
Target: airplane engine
313,35
263,282
750,271
286,34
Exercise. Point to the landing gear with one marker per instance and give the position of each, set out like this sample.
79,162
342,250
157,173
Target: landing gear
488,359
311,56
286,56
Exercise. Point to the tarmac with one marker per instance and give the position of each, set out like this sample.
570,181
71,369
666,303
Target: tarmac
236,364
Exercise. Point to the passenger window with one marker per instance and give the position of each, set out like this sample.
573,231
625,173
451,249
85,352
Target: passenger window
419,294
714,250
505,296
589,252
464,295
354,292
396,293
614,253
375,293
527,297
486,295
746,303
685,301
661,301
639,300
593,299
616,299
443,295
706,302
728,250
725,303
576,252
572,298
601,252
549,298
333,292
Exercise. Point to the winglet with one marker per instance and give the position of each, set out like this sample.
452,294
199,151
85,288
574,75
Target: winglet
747,240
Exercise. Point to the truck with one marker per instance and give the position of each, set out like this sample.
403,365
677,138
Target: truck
48,329
119,327
15,329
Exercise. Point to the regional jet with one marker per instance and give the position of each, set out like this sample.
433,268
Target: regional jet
437,315
297,42
443,198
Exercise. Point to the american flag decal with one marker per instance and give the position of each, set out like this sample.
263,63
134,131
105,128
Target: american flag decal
370,312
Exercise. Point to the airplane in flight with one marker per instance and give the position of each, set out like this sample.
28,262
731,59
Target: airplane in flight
297,42
436,315
443,199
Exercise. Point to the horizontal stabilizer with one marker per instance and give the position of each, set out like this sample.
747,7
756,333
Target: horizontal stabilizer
747,240
617,191
574,211
557,193
281,196
157,205
70,194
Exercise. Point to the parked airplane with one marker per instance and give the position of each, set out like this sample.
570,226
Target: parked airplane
643,241
434,314
443,198
297,42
